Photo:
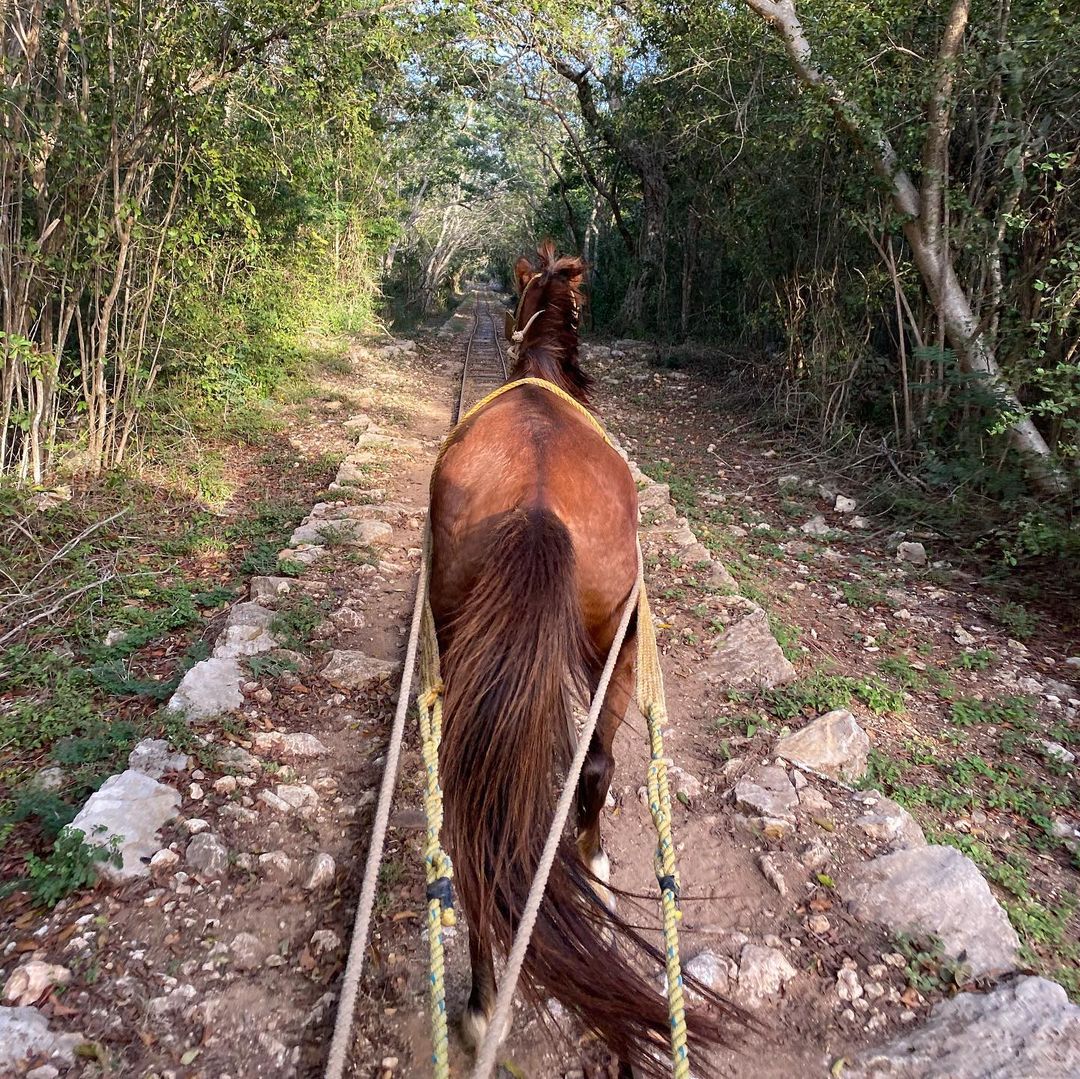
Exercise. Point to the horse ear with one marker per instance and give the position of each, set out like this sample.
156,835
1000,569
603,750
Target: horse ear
546,251
572,268
523,270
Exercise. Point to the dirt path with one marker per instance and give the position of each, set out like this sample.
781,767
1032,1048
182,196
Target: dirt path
224,961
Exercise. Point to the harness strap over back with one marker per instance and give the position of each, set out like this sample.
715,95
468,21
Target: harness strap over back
544,384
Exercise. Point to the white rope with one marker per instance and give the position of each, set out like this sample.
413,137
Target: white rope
350,984
485,1058
518,336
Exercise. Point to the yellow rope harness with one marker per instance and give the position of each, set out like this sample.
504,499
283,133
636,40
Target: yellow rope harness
543,383
439,870
438,867
651,702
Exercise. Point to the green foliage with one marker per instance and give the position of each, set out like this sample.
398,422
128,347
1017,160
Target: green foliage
787,636
106,742
249,143
295,622
858,595
1013,711
979,660
264,535
882,772
46,807
73,863
1015,618
796,294
268,666
928,968
53,701
824,692
900,670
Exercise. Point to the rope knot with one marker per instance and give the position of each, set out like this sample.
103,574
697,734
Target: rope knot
429,697
669,883
442,890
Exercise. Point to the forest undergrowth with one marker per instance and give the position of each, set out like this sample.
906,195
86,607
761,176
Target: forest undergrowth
110,595
946,665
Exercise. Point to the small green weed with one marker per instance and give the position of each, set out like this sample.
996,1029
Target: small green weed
267,666
858,595
928,968
787,637
295,623
979,660
1015,618
72,864
882,772
823,692
1014,711
901,671
46,807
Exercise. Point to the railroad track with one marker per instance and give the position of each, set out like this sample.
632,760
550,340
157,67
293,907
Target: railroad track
484,368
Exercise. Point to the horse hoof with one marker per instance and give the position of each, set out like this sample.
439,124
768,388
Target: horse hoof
474,1026
600,867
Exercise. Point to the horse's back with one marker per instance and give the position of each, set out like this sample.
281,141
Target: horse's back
529,450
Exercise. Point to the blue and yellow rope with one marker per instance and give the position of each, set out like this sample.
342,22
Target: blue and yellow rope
439,869
650,699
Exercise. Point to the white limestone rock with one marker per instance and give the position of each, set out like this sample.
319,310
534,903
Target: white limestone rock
1024,1027
908,551
210,688
767,792
132,807
816,526
833,744
30,980
154,757
25,1036
763,973
304,554
208,856
889,823
321,873
345,531
935,890
356,670
300,744
746,653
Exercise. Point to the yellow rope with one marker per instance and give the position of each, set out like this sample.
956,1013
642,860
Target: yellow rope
650,698
439,869
543,383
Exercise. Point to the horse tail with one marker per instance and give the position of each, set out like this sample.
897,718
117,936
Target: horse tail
518,649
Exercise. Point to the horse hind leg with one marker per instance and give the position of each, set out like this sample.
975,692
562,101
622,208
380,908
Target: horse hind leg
595,780
597,772
481,1004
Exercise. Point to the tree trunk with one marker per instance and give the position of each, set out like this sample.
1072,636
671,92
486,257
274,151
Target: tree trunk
650,245
693,227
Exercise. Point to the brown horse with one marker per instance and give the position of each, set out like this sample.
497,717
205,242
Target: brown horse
534,527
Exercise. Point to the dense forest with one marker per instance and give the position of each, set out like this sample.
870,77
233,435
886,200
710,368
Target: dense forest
864,219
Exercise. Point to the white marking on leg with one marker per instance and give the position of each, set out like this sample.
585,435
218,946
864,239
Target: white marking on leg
473,1028
474,1025
600,865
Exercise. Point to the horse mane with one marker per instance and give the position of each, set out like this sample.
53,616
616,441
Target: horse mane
553,287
